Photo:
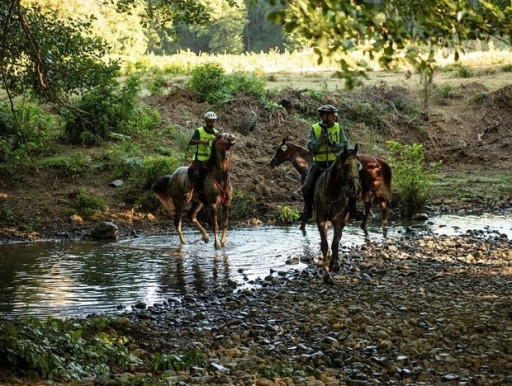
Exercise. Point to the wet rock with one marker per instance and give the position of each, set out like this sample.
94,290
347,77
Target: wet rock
105,230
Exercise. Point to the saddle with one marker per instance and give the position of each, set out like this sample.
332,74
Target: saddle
200,178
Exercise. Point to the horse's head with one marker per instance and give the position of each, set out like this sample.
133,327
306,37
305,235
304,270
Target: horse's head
224,141
349,166
281,155
222,150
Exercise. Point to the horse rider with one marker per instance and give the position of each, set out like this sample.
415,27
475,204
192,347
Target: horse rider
326,139
202,138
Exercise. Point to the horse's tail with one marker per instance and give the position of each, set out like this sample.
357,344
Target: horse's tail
162,192
387,179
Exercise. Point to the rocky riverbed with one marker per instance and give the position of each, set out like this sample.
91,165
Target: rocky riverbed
418,311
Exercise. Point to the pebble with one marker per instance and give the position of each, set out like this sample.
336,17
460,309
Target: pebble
440,315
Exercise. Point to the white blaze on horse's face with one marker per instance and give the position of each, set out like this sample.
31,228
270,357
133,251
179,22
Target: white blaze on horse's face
284,148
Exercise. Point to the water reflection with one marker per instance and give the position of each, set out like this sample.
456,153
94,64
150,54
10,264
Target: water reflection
74,279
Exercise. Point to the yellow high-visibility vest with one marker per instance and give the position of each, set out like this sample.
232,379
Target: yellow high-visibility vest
203,151
325,152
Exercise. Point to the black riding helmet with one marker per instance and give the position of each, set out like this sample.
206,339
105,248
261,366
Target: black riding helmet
327,109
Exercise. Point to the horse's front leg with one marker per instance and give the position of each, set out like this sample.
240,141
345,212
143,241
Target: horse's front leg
197,225
225,223
178,214
215,223
324,243
338,226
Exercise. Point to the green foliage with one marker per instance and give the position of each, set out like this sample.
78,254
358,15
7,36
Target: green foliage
67,350
177,362
71,166
141,174
286,215
316,95
251,84
86,203
243,208
206,80
48,56
507,68
291,370
34,135
393,32
210,83
112,111
411,180
465,72
157,85
447,91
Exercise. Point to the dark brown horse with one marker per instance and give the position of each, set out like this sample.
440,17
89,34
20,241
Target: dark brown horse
217,190
374,175
333,189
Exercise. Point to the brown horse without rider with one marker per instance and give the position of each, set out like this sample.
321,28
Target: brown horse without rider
333,190
216,193
374,174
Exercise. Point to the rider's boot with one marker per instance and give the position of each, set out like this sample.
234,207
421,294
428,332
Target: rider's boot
354,212
308,211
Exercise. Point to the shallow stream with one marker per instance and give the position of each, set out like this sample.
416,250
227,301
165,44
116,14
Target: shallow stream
65,279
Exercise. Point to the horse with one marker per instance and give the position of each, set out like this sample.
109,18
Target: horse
374,175
333,190
217,191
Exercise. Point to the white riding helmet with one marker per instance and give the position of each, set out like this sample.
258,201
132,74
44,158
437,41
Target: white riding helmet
209,115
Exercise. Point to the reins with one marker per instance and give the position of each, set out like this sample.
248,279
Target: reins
344,193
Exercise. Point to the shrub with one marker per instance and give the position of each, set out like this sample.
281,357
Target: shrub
210,84
507,68
34,136
65,350
447,91
465,72
243,207
411,181
206,79
286,215
86,203
71,166
112,111
143,174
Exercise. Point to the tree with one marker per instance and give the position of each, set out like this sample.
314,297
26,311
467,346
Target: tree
260,34
394,30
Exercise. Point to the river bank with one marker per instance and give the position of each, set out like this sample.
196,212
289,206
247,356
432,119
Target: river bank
421,310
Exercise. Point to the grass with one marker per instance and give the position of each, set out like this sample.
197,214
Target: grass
478,184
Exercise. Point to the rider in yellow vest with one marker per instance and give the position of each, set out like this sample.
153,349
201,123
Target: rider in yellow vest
203,139
326,139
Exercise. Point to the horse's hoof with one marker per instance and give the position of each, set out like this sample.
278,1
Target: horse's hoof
303,228
328,279
334,268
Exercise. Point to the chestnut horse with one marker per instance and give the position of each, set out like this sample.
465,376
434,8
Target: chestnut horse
333,190
217,190
375,173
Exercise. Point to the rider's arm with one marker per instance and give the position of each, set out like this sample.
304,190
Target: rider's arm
314,143
342,142
195,140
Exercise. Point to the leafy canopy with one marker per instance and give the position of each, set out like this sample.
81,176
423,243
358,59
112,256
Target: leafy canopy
394,30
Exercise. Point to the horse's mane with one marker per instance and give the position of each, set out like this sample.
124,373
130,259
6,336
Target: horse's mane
212,159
